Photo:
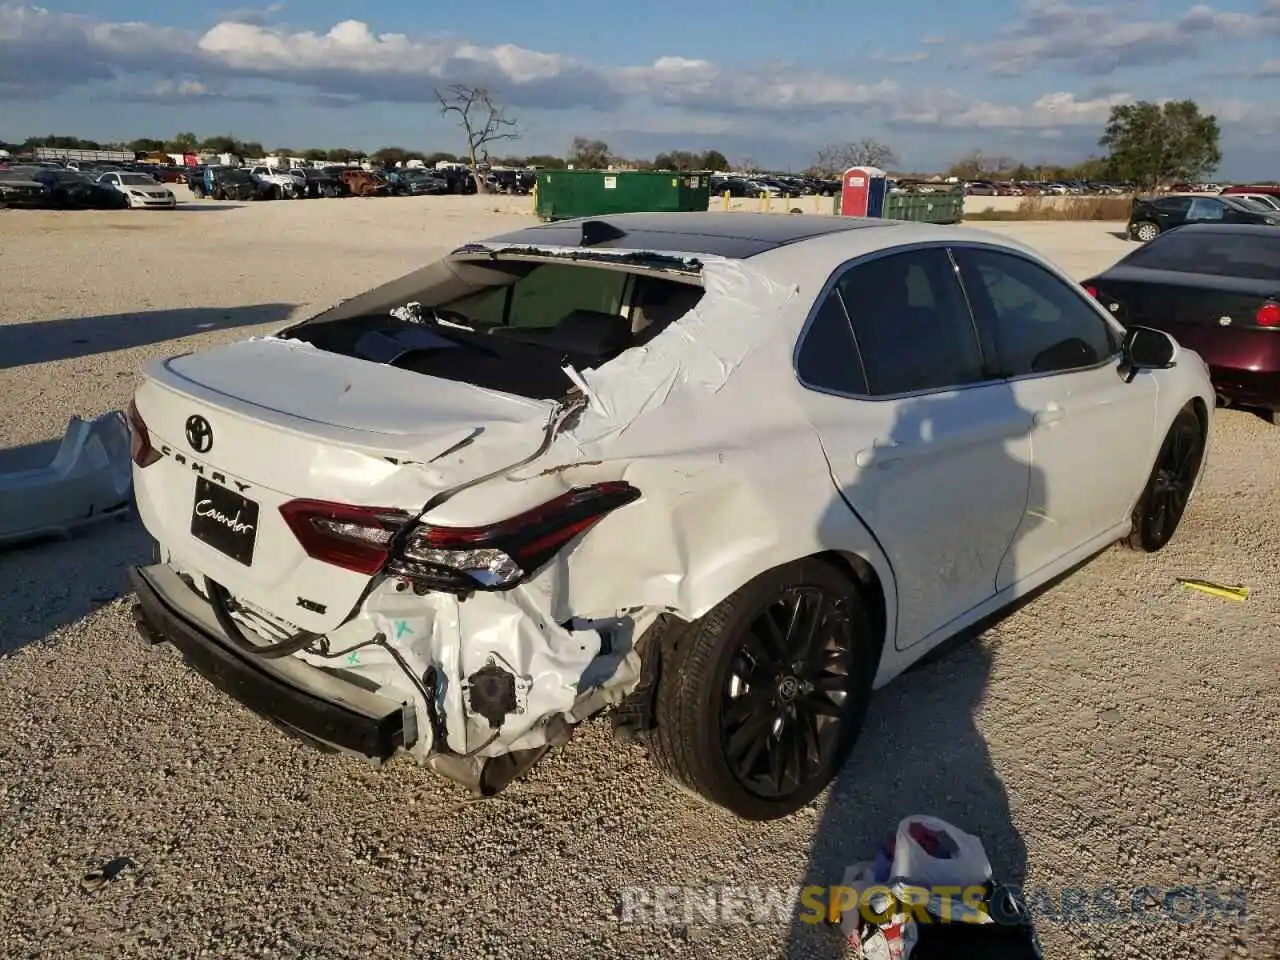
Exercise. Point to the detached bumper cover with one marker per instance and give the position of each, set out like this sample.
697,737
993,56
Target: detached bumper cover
303,699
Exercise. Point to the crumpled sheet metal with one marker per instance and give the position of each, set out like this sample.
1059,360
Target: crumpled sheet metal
740,310
650,416
558,672
90,478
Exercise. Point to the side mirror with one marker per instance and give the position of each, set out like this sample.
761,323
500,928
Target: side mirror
1147,349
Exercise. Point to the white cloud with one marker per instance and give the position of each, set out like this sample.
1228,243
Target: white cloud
44,53
1100,40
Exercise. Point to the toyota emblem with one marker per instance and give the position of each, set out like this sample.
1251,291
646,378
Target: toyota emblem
199,433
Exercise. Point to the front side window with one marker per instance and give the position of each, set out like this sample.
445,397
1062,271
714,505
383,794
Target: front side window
913,328
1038,322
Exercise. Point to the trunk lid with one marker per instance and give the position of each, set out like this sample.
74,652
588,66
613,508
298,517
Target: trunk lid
244,428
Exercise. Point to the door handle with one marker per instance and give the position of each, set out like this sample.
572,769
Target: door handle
881,455
1050,414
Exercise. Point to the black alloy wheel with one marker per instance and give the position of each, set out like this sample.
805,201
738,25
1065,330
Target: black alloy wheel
785,697
1163,502
760,700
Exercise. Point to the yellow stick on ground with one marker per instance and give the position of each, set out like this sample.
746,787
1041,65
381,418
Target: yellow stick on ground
1238,594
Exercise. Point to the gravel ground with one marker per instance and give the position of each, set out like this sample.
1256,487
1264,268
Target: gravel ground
1118,731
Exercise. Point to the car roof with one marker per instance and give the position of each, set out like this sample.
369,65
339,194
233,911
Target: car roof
1243,229
734,236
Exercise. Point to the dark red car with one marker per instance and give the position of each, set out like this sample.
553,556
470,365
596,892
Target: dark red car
1216,289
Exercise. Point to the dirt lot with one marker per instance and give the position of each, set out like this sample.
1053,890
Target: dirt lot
1120,731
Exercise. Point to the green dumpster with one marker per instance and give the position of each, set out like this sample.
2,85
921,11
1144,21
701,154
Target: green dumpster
941,207
564,194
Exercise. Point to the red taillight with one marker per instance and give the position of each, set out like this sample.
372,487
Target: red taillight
1268,315
1091,291
140,449
354,538
500,555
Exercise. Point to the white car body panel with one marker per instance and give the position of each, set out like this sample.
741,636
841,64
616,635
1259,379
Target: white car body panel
738,465
1091,446
141,195
287,183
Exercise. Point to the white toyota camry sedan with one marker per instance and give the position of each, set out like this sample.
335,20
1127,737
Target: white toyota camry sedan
721,475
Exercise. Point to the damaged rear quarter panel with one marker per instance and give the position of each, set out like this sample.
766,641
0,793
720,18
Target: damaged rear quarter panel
706,422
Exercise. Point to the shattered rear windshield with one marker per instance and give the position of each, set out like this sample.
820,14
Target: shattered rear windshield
517,330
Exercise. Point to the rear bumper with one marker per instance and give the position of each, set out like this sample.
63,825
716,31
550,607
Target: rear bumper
307,701
1249,387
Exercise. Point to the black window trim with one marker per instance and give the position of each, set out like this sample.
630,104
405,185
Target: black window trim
829,287
950,246
1110,323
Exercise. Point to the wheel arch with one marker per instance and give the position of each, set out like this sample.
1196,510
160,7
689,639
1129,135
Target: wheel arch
870,587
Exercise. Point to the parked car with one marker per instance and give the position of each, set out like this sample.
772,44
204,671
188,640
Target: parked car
18,189
417,182
316,182
731,536
167,173
511,181
232,183
734,186
462,181
1216,289
282,185
363,183
1267,201
70,189
140,190
1270,189
1150,217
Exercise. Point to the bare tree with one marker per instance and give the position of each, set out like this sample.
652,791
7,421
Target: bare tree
835,158
481,119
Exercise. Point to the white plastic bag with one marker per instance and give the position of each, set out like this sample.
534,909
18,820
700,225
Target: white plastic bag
967,865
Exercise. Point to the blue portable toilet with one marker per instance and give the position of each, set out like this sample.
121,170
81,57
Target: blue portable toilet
863,192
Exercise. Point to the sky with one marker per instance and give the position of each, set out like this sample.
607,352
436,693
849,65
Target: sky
1034,80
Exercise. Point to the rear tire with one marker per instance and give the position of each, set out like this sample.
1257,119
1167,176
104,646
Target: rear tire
760,701
1173,476
1146,231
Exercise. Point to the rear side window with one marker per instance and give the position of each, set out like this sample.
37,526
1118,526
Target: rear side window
1173,205
1039,323
828,358
1206,208
1224,255
912,326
